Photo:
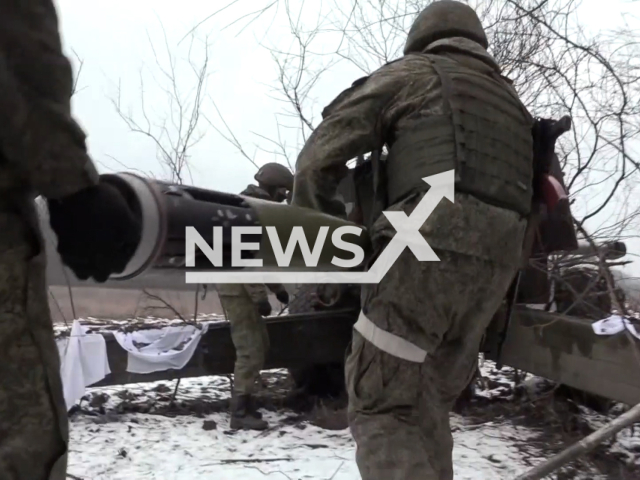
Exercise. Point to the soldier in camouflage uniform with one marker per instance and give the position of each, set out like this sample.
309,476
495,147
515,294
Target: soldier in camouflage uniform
43,152
444,105
244,305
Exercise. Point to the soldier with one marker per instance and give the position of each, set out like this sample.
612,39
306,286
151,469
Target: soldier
274,183
245,304
444,105
43,153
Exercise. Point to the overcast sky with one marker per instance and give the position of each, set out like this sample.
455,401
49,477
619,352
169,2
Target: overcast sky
112,39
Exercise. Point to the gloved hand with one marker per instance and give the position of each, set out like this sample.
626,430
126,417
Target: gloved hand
283,297
264,308
97,231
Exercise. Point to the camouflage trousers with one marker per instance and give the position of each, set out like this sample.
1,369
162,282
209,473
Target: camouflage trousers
250,339
33,421
399,409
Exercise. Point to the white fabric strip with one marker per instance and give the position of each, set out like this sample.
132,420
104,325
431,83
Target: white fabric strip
83,362
387,342
169,348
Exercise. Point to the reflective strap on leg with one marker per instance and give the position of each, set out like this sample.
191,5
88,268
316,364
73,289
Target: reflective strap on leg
387,342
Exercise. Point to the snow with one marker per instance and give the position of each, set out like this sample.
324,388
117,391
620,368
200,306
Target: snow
164,448
154,446
150,446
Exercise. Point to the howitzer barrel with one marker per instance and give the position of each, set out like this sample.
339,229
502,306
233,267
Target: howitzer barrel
166,210
610,250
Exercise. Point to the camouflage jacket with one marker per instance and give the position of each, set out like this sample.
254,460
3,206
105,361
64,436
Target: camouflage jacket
42,152
257,292
43,148
363,119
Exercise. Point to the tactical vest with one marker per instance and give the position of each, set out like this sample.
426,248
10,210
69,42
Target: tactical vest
484,133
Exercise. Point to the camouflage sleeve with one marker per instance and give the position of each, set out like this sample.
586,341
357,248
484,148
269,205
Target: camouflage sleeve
352,125
257,292
39,135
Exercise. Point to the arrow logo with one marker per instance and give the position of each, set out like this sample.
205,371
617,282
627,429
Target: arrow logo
407,236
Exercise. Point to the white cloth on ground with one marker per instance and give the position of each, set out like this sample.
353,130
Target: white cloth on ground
160,347
614,325
83,362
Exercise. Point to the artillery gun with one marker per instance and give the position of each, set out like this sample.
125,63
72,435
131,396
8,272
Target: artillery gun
311,340
612,250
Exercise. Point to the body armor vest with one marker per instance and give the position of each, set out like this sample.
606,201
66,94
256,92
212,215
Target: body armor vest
484,133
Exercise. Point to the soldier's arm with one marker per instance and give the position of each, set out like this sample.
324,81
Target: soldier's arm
353,125
39,137
255,192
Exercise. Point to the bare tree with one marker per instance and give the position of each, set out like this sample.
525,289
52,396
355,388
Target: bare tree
74,89
174,125
175,129
298,71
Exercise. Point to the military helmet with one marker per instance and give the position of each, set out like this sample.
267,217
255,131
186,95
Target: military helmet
445,19
275,175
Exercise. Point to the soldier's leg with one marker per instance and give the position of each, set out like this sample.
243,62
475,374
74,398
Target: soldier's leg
399,410
265,339
454,362
384,395
248,340
265,345
33,422
253,407
247,337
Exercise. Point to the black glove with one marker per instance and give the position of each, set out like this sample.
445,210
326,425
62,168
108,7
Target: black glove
283,297
264,308
97,231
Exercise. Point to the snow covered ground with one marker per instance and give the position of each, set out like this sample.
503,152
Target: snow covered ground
150,446
109,443
154,447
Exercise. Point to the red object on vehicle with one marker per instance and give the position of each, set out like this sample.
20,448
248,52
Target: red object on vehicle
553,192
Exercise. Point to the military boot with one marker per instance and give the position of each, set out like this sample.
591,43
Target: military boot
242,418
252,408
